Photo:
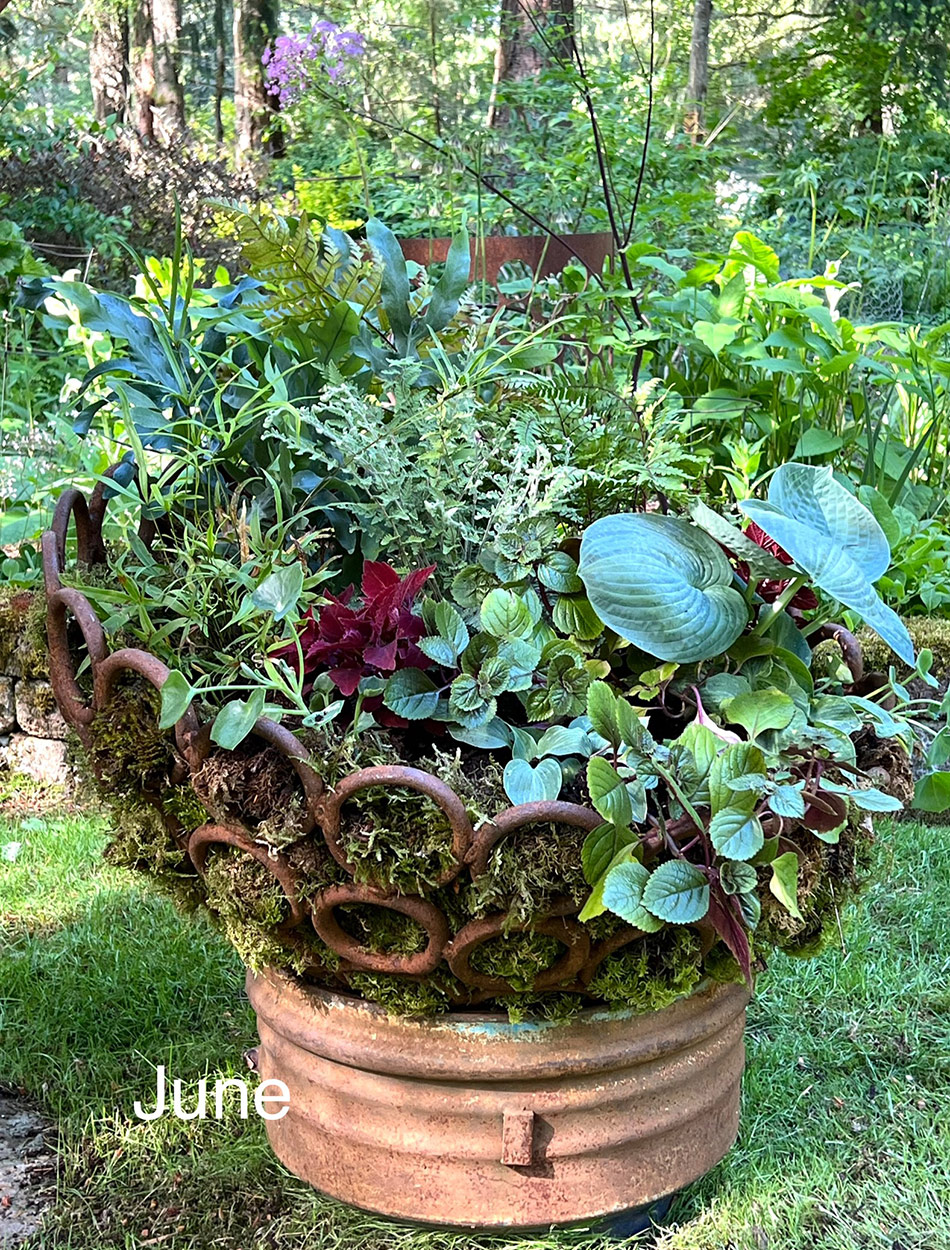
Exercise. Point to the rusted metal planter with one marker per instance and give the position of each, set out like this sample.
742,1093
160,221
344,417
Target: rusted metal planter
470,1121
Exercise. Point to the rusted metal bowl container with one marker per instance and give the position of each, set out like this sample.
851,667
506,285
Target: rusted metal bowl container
470,1121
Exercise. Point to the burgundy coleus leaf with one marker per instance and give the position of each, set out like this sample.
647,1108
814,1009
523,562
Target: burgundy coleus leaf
726,919
804,601
372,635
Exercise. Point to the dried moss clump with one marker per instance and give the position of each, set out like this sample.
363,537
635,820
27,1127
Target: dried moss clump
256,786
652,972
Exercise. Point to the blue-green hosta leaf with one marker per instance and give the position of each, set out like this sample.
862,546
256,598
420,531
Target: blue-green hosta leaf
492,736
736,833
677,892
760,710
561,740
524,745
833,710
237,718
784,882
411,693
833,538
524,784
663,585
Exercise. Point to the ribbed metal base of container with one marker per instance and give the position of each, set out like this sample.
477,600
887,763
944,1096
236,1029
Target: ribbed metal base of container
472,1122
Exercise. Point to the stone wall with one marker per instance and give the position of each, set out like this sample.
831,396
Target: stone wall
32,731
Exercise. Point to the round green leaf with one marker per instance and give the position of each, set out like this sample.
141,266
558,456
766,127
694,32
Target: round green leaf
505,615
932,792
677,892
663,585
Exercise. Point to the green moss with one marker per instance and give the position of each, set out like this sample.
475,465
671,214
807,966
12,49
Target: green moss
518,958
556,1008
241,888
382,930
929,632
652,972
528,869
128,751
142,841
401,996
185,807
23,645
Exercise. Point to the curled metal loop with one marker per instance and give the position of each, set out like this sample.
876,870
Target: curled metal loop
63,676
850,648
514,818
476,933
207,837
328,810
131,660
359,957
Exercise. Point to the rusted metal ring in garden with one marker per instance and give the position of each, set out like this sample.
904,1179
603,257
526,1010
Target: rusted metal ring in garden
148,666
358,957
207,837
561,973
328,810
89,546
850,648
546,811
62,669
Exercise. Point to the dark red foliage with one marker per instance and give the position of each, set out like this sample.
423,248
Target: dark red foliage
804,601
372,639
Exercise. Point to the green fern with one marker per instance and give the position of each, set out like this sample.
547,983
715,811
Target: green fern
306,271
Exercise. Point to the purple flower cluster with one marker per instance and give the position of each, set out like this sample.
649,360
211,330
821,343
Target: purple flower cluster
293,60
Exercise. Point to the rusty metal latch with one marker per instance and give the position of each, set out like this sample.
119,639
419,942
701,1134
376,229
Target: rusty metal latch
517,1139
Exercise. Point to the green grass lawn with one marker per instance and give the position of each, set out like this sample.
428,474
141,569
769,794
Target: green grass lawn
845,1139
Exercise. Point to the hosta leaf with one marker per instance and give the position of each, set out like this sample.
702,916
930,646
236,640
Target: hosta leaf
279,591
677,892
663,585
492,736
833,538
560,740
762,564
411,693
736,834
524,784
784,882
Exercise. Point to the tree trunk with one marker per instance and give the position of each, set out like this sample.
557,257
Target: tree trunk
109,61
531,35
220,53
698,70
142,68
255,24
169,97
